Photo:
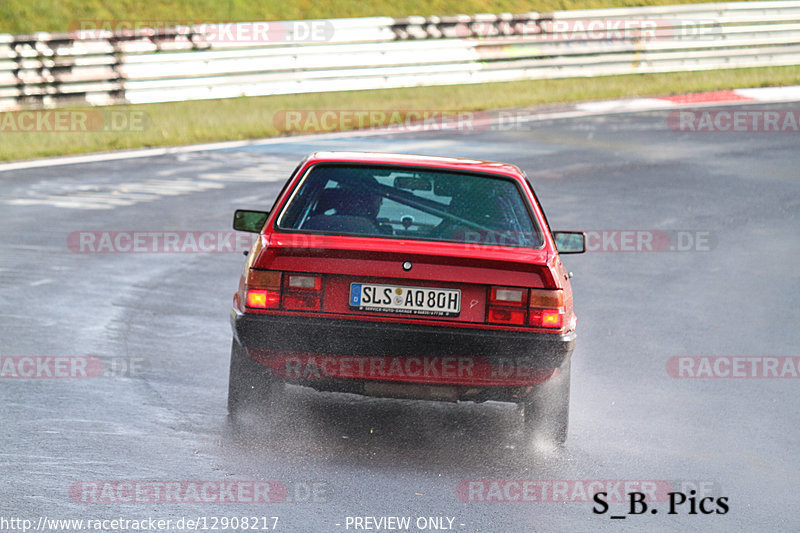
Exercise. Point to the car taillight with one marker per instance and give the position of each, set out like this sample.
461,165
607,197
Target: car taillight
302,292
507,305
263,289
546,308
268,289
541,308
263,299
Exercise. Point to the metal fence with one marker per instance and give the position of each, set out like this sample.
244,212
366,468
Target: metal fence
99,64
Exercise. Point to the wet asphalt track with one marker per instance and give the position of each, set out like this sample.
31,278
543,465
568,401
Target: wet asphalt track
630,420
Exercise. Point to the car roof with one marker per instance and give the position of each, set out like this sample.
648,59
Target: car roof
449,163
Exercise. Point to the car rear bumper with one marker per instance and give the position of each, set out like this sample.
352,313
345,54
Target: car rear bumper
320,352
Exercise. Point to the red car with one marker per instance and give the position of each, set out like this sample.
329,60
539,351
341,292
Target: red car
406,276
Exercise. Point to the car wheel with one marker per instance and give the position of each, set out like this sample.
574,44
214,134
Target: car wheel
250,386
546,410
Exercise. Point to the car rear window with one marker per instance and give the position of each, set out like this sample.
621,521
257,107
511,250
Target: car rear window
409,203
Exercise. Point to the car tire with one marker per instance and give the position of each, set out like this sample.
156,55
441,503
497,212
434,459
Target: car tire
250,386
546,410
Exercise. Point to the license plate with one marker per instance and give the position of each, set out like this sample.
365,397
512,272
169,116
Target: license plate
408,300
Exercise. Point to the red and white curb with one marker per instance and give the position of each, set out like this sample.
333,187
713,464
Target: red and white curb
760,95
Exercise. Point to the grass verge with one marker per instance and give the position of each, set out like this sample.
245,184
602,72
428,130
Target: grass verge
178,123
28,16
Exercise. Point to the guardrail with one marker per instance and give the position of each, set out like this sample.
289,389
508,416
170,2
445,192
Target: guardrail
103,66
